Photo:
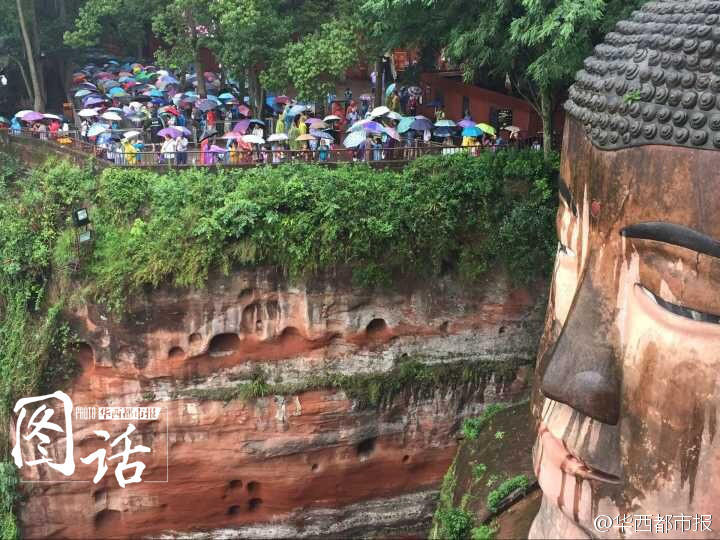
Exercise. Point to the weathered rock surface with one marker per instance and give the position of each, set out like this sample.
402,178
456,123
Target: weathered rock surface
307,464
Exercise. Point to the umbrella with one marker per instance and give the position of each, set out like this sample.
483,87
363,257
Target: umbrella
392,133
110,84
296,109
390,89
443,132
366,97
205,105
277,137
466,123
169,132
321,135
242,125
415,91
306,137
156,93
487,128
4,120
512,129
32,116
96,129
331,118
117,92
20,114
94,101
242,109
217,149
126,79
113,117
356,138
130,134
282,99
52,116
87,113
254,139
368,126
256,121
421,123
170,110
318,125
226,96
233,135
472,132
394,116
183,130
214,98
405,124
310,121
83,92
445,123
379,111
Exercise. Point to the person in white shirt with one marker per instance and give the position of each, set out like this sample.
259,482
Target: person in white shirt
168,150
181,146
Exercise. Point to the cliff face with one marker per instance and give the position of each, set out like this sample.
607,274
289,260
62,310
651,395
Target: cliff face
253,438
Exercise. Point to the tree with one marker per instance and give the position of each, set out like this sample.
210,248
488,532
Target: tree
28,27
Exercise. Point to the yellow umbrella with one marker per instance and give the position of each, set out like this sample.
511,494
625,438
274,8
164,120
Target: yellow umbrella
486,128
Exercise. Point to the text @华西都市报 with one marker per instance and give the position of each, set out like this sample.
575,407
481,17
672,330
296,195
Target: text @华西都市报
654,523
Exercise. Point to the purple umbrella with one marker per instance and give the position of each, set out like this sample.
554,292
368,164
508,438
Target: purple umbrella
217,149
312,120
241,126
170,132
32,117
93,100
421,124
466,123
205,105
185,131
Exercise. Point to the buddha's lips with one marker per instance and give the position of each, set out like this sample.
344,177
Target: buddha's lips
554,452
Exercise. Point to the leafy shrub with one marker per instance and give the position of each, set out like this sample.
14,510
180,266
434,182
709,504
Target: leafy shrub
455,524
479,470
496,496
472,426
483,532
8,499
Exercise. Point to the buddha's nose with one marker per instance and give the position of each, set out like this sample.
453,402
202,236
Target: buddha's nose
582,370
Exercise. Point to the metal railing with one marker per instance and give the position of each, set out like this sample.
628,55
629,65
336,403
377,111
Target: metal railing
151,155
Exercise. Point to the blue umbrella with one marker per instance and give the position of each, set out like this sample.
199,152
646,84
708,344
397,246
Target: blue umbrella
321,134
117,92
296,109
390,89
82,93
356,138
421,124
126,79
156,93
213,98
472,132
226,96
96,129
405,124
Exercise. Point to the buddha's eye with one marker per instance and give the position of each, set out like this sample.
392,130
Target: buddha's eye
680,310
562,248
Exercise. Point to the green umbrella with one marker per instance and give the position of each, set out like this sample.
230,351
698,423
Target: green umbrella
405,123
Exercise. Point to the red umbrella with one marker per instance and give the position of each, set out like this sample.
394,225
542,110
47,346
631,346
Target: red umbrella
242,109
170,109
282,99
104,75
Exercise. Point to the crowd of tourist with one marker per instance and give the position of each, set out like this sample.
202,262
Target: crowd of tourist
135,114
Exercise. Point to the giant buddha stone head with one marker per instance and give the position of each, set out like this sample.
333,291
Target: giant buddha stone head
628,373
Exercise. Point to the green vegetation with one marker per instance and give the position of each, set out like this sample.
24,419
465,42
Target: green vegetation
483,532
472,426
455,524
479,470
496,496
410,377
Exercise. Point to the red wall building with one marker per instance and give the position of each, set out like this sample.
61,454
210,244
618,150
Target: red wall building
457,96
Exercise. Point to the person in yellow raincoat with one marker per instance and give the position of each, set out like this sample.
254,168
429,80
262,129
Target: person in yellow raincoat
130,153
280,126
294,133
302,126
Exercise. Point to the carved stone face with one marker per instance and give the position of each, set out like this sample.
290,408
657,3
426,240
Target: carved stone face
629,368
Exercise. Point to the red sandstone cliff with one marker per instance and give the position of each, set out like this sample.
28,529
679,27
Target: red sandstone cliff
306,464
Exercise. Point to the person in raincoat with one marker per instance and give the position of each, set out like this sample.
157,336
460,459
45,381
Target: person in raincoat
302,125
294,133
280,126
130,153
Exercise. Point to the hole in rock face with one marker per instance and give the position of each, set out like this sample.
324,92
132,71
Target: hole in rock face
195,338
83,353
290,334
100,495
366,447
176,353
107,518
254,504
375,327
273,308
246,295
250,316
444,327
233,510
406,458
501,330
234,484
224,344
314,467
253,486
